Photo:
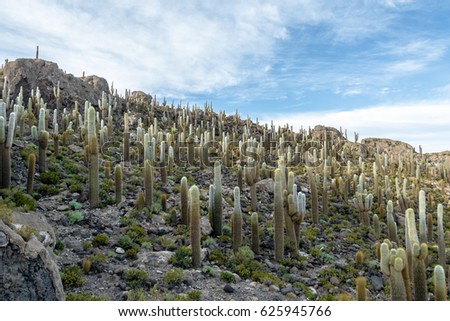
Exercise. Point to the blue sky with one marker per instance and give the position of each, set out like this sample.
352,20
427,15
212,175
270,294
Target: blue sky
379,68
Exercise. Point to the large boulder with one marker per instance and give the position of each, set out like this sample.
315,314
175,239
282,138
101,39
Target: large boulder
27,270
33,73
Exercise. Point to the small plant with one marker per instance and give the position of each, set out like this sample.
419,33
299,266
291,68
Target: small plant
208,270
71,277
174,277
227,277
85,296
59,246
100,240
23,200
75,217
194,295
182,257
74,205
50,178
5,214
27,232
124,242
136,278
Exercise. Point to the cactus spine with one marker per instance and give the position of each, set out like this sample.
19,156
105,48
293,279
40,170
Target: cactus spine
93,159
278,216
194,209
118,178
217,205
255,233
237,221
31,171
184,201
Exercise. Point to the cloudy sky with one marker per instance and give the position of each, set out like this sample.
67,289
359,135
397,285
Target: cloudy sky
377,67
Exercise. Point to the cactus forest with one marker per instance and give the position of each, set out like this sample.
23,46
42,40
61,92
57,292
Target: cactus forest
150,199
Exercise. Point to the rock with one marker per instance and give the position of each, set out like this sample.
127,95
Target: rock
334,280
205,226
39,223
140,97
37,73
120,250
265,185
228,288
63,208
76,149
287,289
377,282
274,288
27,270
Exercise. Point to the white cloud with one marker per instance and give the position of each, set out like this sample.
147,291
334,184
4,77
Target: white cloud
426,123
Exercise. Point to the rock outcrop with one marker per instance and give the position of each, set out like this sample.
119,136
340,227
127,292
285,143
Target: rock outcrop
33,73
27,270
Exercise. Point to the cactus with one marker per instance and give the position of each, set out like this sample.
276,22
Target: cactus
43,142
376,226
420,254
393,264
93,160
148,183
278,216
422,218
118,178
237,221
361,288
440,286
194,213
398,287
217,210
107,169
359,257
31,171
255,233
126,139
239,176
314,199
392,226
250,178
325,190
5,147
441,235
140,201
184,201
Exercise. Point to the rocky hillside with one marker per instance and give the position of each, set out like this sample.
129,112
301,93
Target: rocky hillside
151,201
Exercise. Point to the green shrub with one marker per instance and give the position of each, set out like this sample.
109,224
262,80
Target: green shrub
124,242
194,295
100,240
227,277
26,232
174,277
85,296
5,214
59,246
137,234
74,205
75,217
23,200
133,252
50,178
182,257
136,278
208,270
71,277
47,190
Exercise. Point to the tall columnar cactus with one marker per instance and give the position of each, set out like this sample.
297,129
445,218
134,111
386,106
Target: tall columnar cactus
420,254
292,223
376,226
440,286
314,198
240,176
184,201
148,183
237,220
126,139
43,143
393,265
251,178
361,288
93,159
255,233
278,216
194,211
217,211
391,225
6,142
441,235
118,181
422,218
325,189
31,171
